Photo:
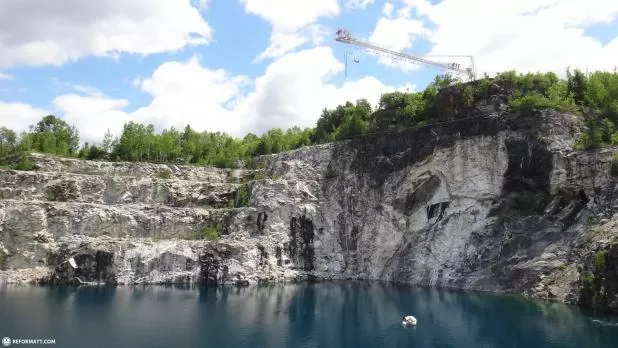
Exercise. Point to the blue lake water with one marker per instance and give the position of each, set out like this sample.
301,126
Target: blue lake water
310,315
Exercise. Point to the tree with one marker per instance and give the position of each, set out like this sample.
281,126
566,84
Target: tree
8,145
577,85
53,135
108,142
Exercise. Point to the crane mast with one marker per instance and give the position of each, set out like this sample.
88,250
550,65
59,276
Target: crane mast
344,36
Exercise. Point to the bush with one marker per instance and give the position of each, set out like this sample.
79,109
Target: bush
600,261
207,232
539,101
165,174
24,163
588,279
210,232
242,197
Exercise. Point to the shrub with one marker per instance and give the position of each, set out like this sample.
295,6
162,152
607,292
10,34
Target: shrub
210,232
539,101
165,174
242,196
588,278
468,96
600,260
207,232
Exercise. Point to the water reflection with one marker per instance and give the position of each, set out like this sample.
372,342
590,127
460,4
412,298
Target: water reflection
343,314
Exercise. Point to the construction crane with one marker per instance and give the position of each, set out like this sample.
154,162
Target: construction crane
344,36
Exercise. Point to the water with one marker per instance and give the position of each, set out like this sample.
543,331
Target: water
318,315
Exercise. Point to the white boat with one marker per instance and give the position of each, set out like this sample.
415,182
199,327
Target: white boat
408,320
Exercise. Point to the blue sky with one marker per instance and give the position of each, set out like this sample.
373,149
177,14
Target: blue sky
173,62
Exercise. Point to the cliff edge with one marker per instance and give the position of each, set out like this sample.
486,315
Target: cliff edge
496,202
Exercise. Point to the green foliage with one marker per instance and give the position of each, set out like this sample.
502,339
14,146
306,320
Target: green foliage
468,96
92,152
12,153
345,121
595,97
54,136
210,232
600,261
539,101
207,232
2,261
165,174
614,169
242,197
588,278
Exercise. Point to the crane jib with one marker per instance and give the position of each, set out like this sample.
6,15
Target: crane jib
345,37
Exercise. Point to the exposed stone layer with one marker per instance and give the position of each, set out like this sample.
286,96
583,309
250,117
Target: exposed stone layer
496,203
103,189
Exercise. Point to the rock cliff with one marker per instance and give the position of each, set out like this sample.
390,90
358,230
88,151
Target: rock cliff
495,202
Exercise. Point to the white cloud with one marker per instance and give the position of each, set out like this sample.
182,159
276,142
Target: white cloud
295,88
360,4
65,30
387,10
283,42
527,35
62,87
6,76
290,15
293,22
407,31
201,4
397,34
92,115
18,116
292,92
187,93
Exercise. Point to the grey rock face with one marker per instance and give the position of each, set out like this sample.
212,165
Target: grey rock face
103,189
498,203
495,204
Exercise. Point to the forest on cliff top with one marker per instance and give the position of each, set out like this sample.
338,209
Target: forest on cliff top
592,96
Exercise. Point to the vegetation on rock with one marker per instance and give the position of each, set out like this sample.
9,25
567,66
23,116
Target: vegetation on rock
165,174
207,232
600,260
594,97
2,261
242,197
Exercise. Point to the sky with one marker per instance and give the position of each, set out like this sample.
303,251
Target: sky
241,66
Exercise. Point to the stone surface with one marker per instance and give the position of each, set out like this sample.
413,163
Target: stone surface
495,203
103,189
